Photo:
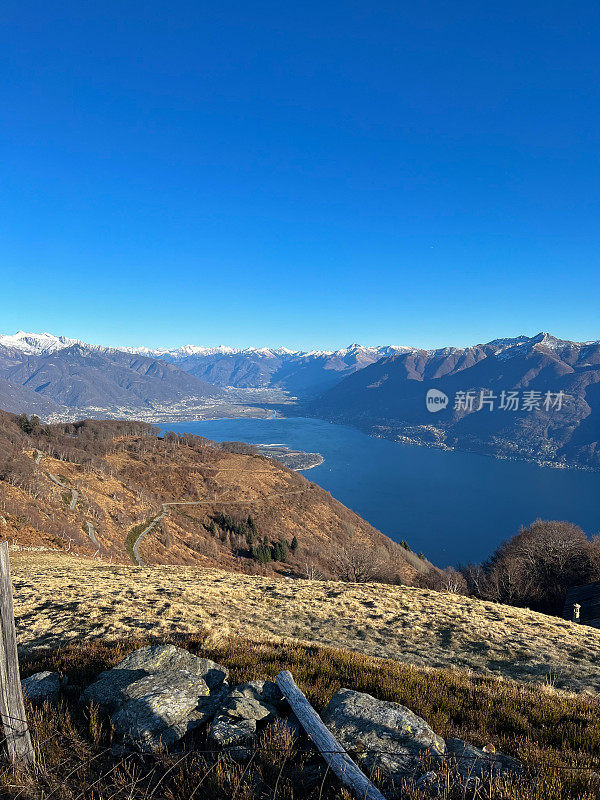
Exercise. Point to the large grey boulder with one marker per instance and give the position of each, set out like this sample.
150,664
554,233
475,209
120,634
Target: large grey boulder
41,686
384,737
164,658
473,764
109,690
155,705
158,694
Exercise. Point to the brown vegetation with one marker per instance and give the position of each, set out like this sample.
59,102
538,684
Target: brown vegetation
59,598
123,472
537,566
556,735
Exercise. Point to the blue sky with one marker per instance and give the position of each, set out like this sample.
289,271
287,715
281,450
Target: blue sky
300,174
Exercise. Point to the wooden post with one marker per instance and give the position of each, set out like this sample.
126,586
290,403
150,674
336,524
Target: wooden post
12,707
332,751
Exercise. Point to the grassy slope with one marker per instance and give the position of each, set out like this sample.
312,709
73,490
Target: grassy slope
131,487
60,598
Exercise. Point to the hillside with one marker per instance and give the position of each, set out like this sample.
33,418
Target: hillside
57,378
388,398
231,508
59,598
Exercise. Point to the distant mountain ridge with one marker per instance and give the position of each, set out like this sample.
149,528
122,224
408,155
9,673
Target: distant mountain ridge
57,377
389,398
302,373
380,389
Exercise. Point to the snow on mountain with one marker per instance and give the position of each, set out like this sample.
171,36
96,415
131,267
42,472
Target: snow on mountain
36,344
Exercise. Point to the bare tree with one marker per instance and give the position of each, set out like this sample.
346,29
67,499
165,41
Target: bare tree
357,563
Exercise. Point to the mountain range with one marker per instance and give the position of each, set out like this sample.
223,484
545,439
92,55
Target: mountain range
389,398
49,376
72,373
380,389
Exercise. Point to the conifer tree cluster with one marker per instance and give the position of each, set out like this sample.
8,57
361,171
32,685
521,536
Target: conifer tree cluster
262,550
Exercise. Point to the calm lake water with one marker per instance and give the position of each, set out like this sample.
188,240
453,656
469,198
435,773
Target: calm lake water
454,507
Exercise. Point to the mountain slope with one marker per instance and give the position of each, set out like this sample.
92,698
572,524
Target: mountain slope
16,398
303,374
389,397
91,379
54,594
123,473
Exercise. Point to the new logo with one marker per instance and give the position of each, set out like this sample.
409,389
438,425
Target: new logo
435,400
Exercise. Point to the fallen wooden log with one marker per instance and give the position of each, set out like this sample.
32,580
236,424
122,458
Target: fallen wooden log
332,751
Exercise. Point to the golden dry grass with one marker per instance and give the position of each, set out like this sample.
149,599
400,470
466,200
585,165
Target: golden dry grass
60,598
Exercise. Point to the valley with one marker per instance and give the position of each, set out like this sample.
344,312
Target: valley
381,390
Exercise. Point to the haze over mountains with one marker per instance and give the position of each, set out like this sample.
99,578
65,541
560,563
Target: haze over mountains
380,389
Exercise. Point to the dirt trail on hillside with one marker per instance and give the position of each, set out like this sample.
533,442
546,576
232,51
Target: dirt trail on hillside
215,502
59,598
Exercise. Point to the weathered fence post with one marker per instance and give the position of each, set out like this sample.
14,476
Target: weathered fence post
12,707
332,751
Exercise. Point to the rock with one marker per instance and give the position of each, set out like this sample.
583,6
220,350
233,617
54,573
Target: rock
179,683
473,763
265,692
155,704
430,783
383,736
109,689
41,686
258,700
164,658
235,735
156,695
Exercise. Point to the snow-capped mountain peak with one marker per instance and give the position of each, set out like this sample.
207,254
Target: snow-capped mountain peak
36,343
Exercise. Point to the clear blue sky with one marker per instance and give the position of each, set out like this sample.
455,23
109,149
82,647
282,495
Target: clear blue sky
305,174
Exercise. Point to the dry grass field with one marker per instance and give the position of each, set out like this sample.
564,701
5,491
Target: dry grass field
61,599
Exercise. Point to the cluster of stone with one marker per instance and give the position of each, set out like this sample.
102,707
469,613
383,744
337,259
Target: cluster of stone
159,694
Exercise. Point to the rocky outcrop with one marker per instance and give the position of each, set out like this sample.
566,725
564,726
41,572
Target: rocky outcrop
383,736
244,710
41,686
157,695
472,763
389,740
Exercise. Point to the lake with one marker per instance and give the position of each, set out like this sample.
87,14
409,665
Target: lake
454,507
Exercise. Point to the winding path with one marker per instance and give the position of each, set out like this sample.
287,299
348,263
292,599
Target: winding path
92,534
74,497
165,508
74,494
